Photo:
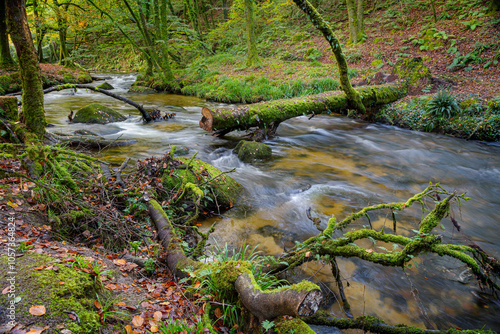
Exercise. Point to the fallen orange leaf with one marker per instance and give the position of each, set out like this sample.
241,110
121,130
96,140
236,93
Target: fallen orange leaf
157,316
6,290
119,262
37,310
128,329
97,304
137,321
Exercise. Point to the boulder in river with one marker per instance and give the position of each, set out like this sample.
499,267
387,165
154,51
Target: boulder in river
249,151
105,86
97,113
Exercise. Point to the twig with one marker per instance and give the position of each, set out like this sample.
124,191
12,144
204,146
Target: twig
118,173
75,315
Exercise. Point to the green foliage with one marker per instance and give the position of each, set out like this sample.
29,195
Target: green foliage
474,57
181,326
212,285
267,325
443,105
474,121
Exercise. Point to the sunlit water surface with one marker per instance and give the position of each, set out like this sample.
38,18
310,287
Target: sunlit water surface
334,165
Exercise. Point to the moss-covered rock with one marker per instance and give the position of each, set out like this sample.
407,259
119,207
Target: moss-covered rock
225,188
141,89
249,151
97,113
59,289
414,73
105,86
293,326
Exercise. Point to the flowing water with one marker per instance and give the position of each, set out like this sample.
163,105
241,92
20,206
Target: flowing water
334,165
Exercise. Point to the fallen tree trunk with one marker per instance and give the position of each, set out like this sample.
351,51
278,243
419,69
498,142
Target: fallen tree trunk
270,114
145,114
301,299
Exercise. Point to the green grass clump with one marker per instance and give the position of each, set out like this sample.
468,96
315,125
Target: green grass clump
443,105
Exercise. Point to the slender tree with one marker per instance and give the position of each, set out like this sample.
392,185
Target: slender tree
5,57
355,10
31,75
320,24
252,54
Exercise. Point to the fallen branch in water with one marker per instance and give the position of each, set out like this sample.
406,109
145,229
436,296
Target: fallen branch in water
145,114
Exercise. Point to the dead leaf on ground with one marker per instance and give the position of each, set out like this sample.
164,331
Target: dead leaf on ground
157,316
37,310
137,321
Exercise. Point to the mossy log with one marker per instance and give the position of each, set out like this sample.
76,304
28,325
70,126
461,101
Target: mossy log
267,306
270,114
145,114
301,299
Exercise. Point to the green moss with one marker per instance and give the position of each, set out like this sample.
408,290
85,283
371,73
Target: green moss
8,104
249,151
412,70
141,89
226,273
43,287
105,86
295,325
97,113
225,188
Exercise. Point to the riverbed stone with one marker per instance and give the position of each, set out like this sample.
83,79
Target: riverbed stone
97,113
105,86
249,151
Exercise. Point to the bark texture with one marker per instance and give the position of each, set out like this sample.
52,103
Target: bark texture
355,10
252,55
5,57
269,114
28,64
268,306
319,23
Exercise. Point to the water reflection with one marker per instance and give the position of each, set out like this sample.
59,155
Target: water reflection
334,165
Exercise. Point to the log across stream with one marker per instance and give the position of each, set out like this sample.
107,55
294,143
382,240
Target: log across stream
348,164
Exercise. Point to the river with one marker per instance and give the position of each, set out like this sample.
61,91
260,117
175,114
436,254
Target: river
335,165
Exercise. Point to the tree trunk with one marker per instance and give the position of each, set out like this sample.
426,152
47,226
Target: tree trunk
352,95
267,114
165,61
225,11
28,64
252,55
5,56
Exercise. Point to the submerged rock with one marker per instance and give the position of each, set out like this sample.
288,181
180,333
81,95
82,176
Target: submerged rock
97,113
249,151
105,86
